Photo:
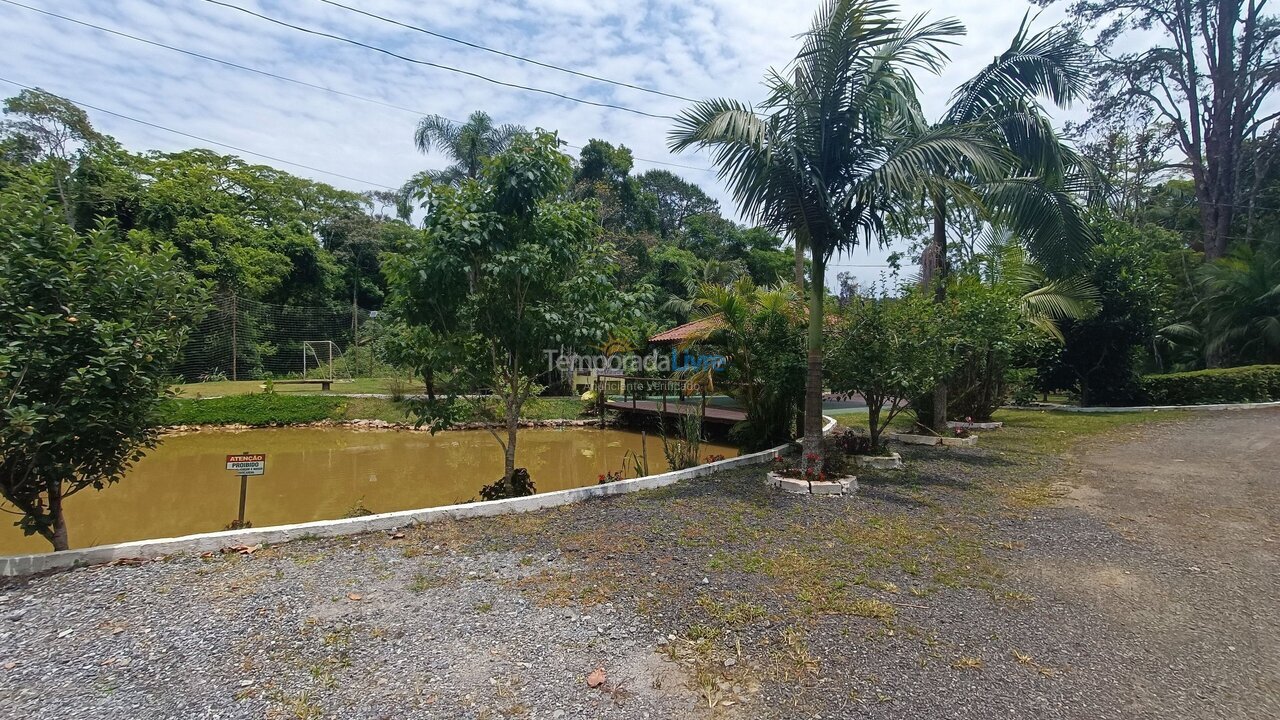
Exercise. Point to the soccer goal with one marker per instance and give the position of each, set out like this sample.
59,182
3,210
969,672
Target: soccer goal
317,358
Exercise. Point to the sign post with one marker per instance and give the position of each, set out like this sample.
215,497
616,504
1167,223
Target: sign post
244,465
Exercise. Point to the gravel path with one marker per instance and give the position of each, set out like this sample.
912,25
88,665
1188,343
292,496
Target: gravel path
1001,581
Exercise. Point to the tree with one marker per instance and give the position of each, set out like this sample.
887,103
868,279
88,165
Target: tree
1099,357
89,327
759,332
836,147
1030,193
466,145
678,200
1208,71
889,350
1241,305
51,129
507,270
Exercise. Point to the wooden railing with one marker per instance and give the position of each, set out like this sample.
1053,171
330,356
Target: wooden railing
636,388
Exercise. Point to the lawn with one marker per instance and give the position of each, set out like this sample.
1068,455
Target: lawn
360,386
292,408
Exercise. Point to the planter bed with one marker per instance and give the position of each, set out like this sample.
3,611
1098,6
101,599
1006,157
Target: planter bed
909,439
880,462
959,425
971,441
847,485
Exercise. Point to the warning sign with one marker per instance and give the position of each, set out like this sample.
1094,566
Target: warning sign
247,464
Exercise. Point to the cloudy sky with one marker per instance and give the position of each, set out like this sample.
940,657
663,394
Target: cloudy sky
703,49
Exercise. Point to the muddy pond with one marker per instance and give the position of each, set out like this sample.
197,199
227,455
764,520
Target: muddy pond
183,487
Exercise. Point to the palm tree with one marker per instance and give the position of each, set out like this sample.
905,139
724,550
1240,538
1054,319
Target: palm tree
1044,301
467,145
1241,305
837,146
1032,195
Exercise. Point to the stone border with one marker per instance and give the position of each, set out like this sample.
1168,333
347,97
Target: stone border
913,439
961,425
892,461
846,485
205,542
1147,408
374,424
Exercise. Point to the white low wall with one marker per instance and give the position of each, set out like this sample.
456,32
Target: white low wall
204,542
1148,408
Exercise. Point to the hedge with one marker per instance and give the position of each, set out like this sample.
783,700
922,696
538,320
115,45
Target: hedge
256,409
1255,383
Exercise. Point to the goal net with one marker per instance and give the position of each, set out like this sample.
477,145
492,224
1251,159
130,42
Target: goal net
243,339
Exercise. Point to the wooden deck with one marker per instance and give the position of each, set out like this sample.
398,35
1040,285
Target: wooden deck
714,414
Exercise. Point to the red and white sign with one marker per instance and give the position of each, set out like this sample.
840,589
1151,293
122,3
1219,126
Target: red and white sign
247,464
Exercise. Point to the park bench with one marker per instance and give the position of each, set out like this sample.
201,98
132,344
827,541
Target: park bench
324,384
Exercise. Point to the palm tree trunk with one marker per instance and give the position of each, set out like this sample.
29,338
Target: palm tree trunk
799,264
939,250
813,381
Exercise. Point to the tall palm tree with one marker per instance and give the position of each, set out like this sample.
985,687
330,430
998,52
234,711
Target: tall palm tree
1034,194
836,146
466,145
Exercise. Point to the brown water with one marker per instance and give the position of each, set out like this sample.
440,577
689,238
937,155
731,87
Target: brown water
183,487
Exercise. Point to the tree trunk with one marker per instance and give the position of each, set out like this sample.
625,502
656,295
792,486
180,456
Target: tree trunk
813,381
939,278
513,424
58,536
799,263
873,423
429,379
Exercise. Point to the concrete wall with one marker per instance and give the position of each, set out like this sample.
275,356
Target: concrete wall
28,564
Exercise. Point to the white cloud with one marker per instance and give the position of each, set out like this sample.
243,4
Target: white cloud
713,48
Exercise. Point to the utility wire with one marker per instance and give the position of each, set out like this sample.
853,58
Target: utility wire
417,61
207,140
295,81
513,56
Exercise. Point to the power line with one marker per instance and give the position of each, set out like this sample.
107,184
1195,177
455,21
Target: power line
513,56
207,140
438,66
295,81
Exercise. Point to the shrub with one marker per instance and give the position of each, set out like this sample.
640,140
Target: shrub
257,409
1254,383
520,485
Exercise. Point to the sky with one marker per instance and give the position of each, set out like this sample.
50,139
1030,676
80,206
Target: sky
712,48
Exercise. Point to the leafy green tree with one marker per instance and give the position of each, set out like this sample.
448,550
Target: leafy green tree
889,350
45,128
836,146
678,200
507,270
1100,359
89,327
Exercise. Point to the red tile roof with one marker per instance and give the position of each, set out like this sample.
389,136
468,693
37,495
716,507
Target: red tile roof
683,332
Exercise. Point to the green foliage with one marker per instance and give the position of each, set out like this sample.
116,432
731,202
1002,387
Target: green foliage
682,450
1099,361
760,333
1254,383
889,351
519,484
1241,305
260,409
507,270
89,327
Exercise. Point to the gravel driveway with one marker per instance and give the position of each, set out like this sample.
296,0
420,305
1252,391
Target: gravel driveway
1135,579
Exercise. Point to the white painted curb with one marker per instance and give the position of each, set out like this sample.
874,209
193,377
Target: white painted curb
1147,408
205,542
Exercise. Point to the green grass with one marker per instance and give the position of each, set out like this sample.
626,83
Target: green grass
278,408
1051,432
249,387
260,409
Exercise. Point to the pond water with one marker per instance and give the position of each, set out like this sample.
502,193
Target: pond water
183,486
